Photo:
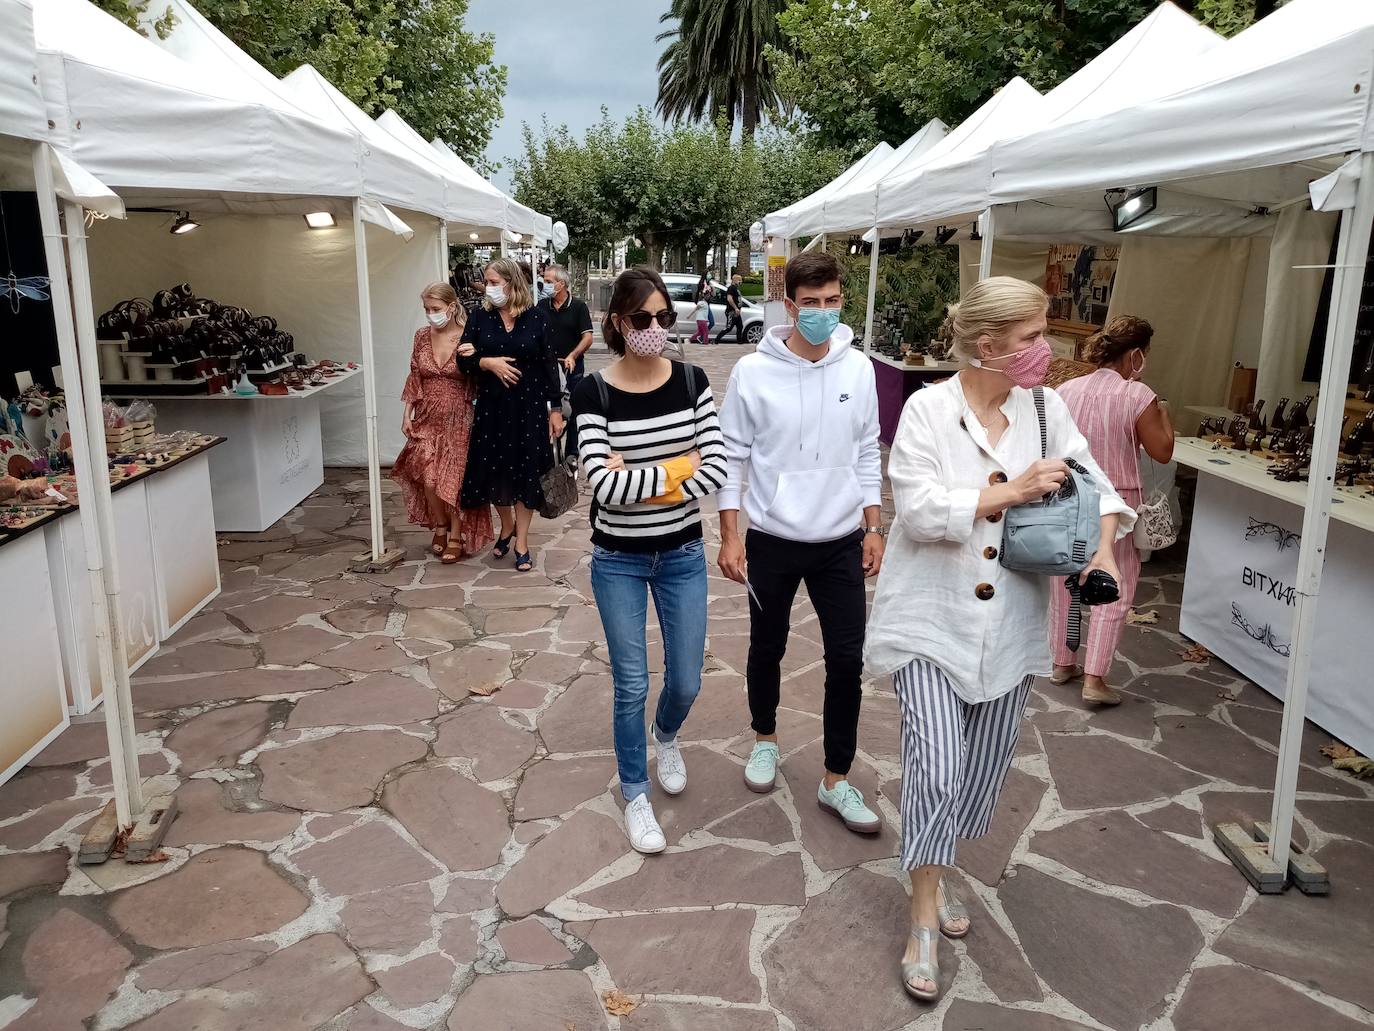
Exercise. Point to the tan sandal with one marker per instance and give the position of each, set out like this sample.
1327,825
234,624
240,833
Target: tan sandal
453,551
1103,695
438,542
1063,674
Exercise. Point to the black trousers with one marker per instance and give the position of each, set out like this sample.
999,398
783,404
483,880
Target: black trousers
732,321
834,577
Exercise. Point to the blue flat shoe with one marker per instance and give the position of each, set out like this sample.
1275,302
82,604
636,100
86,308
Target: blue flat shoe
502,546
523,562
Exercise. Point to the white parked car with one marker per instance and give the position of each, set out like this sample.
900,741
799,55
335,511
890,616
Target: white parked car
682,288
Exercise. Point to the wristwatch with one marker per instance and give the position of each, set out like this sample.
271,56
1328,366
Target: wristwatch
879,530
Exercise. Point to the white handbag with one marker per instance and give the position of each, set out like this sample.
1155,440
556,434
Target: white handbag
1156,523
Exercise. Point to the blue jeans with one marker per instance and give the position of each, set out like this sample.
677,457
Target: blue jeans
677,580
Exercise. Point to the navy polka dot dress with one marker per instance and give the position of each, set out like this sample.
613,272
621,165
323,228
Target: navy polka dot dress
510,448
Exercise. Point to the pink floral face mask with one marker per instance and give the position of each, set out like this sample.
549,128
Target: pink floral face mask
647,343
1026,368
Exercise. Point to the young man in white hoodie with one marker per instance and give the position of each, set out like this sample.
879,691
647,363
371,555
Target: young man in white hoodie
800,422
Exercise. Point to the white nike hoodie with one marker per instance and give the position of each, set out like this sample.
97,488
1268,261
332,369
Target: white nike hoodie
801,439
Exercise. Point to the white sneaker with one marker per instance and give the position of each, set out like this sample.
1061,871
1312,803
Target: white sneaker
672,771
761,772
645,834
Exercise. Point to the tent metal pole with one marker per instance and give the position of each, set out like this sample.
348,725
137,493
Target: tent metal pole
985,251
443,251
101,576
1321,480
374,469
872,291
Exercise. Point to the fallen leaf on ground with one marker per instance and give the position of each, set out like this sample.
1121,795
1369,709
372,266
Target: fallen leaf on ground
1142,618
156,857
617,1003
1195,653
484,690
1336,750
1357,766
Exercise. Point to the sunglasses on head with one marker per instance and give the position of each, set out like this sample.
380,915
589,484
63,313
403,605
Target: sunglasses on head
642,319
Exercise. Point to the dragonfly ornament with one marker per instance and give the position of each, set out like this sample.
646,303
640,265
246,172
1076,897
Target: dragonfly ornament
31,288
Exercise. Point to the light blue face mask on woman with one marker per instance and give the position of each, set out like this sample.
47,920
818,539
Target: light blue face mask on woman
817,324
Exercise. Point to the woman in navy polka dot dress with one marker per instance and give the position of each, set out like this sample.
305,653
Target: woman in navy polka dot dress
519,409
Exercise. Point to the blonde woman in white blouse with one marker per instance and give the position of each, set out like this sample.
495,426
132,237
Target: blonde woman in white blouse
962,635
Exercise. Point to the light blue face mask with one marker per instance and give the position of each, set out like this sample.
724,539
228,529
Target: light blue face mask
817,324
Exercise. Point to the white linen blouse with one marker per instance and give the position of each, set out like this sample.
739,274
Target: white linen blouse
943,595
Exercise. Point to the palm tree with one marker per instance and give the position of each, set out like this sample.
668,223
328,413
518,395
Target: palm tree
716,61
716,66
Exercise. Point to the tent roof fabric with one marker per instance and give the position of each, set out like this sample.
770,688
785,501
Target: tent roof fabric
473,202
781,223
957,181
1266,112
117,99
519,218
22,114
853,206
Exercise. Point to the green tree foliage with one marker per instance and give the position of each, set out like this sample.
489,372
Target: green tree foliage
410,55
717,61
681,188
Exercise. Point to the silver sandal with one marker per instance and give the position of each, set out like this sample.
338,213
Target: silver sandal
927,969
950,909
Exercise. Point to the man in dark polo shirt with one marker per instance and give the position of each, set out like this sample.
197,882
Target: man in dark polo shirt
570,325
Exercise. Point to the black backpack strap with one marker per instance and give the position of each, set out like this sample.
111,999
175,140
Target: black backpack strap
1075,623
1039,394
601,393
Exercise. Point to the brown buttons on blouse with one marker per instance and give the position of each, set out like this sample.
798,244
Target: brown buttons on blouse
984,592
997,477
995,517
989,553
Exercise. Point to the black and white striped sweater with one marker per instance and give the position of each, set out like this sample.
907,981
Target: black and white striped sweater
647,430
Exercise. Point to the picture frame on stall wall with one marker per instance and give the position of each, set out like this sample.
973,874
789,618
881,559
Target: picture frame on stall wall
1079,280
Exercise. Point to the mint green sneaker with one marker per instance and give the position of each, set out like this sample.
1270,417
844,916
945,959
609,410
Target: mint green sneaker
847,802
761,772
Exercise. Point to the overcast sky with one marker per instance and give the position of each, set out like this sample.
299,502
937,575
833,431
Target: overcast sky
566,59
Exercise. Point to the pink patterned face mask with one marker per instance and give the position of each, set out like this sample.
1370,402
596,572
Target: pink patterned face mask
647,343
1026,368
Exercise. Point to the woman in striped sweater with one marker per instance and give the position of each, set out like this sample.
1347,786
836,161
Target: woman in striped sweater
651,447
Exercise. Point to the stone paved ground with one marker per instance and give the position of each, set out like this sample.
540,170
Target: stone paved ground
365,843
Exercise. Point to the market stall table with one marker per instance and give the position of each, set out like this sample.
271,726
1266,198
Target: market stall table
273,459
1238,592
896,381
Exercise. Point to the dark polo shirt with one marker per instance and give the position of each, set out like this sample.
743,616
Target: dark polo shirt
567,324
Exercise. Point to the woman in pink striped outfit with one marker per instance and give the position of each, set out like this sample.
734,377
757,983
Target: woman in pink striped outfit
1117,414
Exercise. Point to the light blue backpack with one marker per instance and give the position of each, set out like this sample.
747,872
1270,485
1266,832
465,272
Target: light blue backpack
1057,535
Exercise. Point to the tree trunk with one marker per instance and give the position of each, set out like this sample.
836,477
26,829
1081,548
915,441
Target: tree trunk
677,260
653,247
579,275
699,258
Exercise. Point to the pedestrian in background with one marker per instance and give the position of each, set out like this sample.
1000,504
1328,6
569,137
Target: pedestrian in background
963,635
1119,415
734,304
519,407
570,332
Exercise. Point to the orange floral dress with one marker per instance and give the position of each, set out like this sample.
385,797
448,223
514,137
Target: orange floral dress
436,452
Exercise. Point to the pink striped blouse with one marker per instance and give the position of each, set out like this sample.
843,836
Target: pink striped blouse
1106,406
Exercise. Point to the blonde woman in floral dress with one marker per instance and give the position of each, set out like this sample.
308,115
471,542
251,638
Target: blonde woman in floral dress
437,423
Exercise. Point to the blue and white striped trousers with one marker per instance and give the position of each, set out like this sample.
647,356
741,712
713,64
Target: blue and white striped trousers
955,757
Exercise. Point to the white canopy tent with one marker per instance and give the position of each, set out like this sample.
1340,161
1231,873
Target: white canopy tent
1275,117
785,223
519,218
853,207
28,161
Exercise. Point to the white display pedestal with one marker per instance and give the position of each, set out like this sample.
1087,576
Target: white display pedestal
273,458
1237,592
32,696
168,570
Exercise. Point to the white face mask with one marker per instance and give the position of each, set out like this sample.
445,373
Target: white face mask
437,319
497,296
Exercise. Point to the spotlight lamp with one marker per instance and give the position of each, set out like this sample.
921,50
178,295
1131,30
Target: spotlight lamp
854,244
911,237
974,235
184,224
1130,208
474,236
319,220
944,234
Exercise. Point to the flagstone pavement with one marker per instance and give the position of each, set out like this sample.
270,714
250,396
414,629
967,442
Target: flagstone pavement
368,841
